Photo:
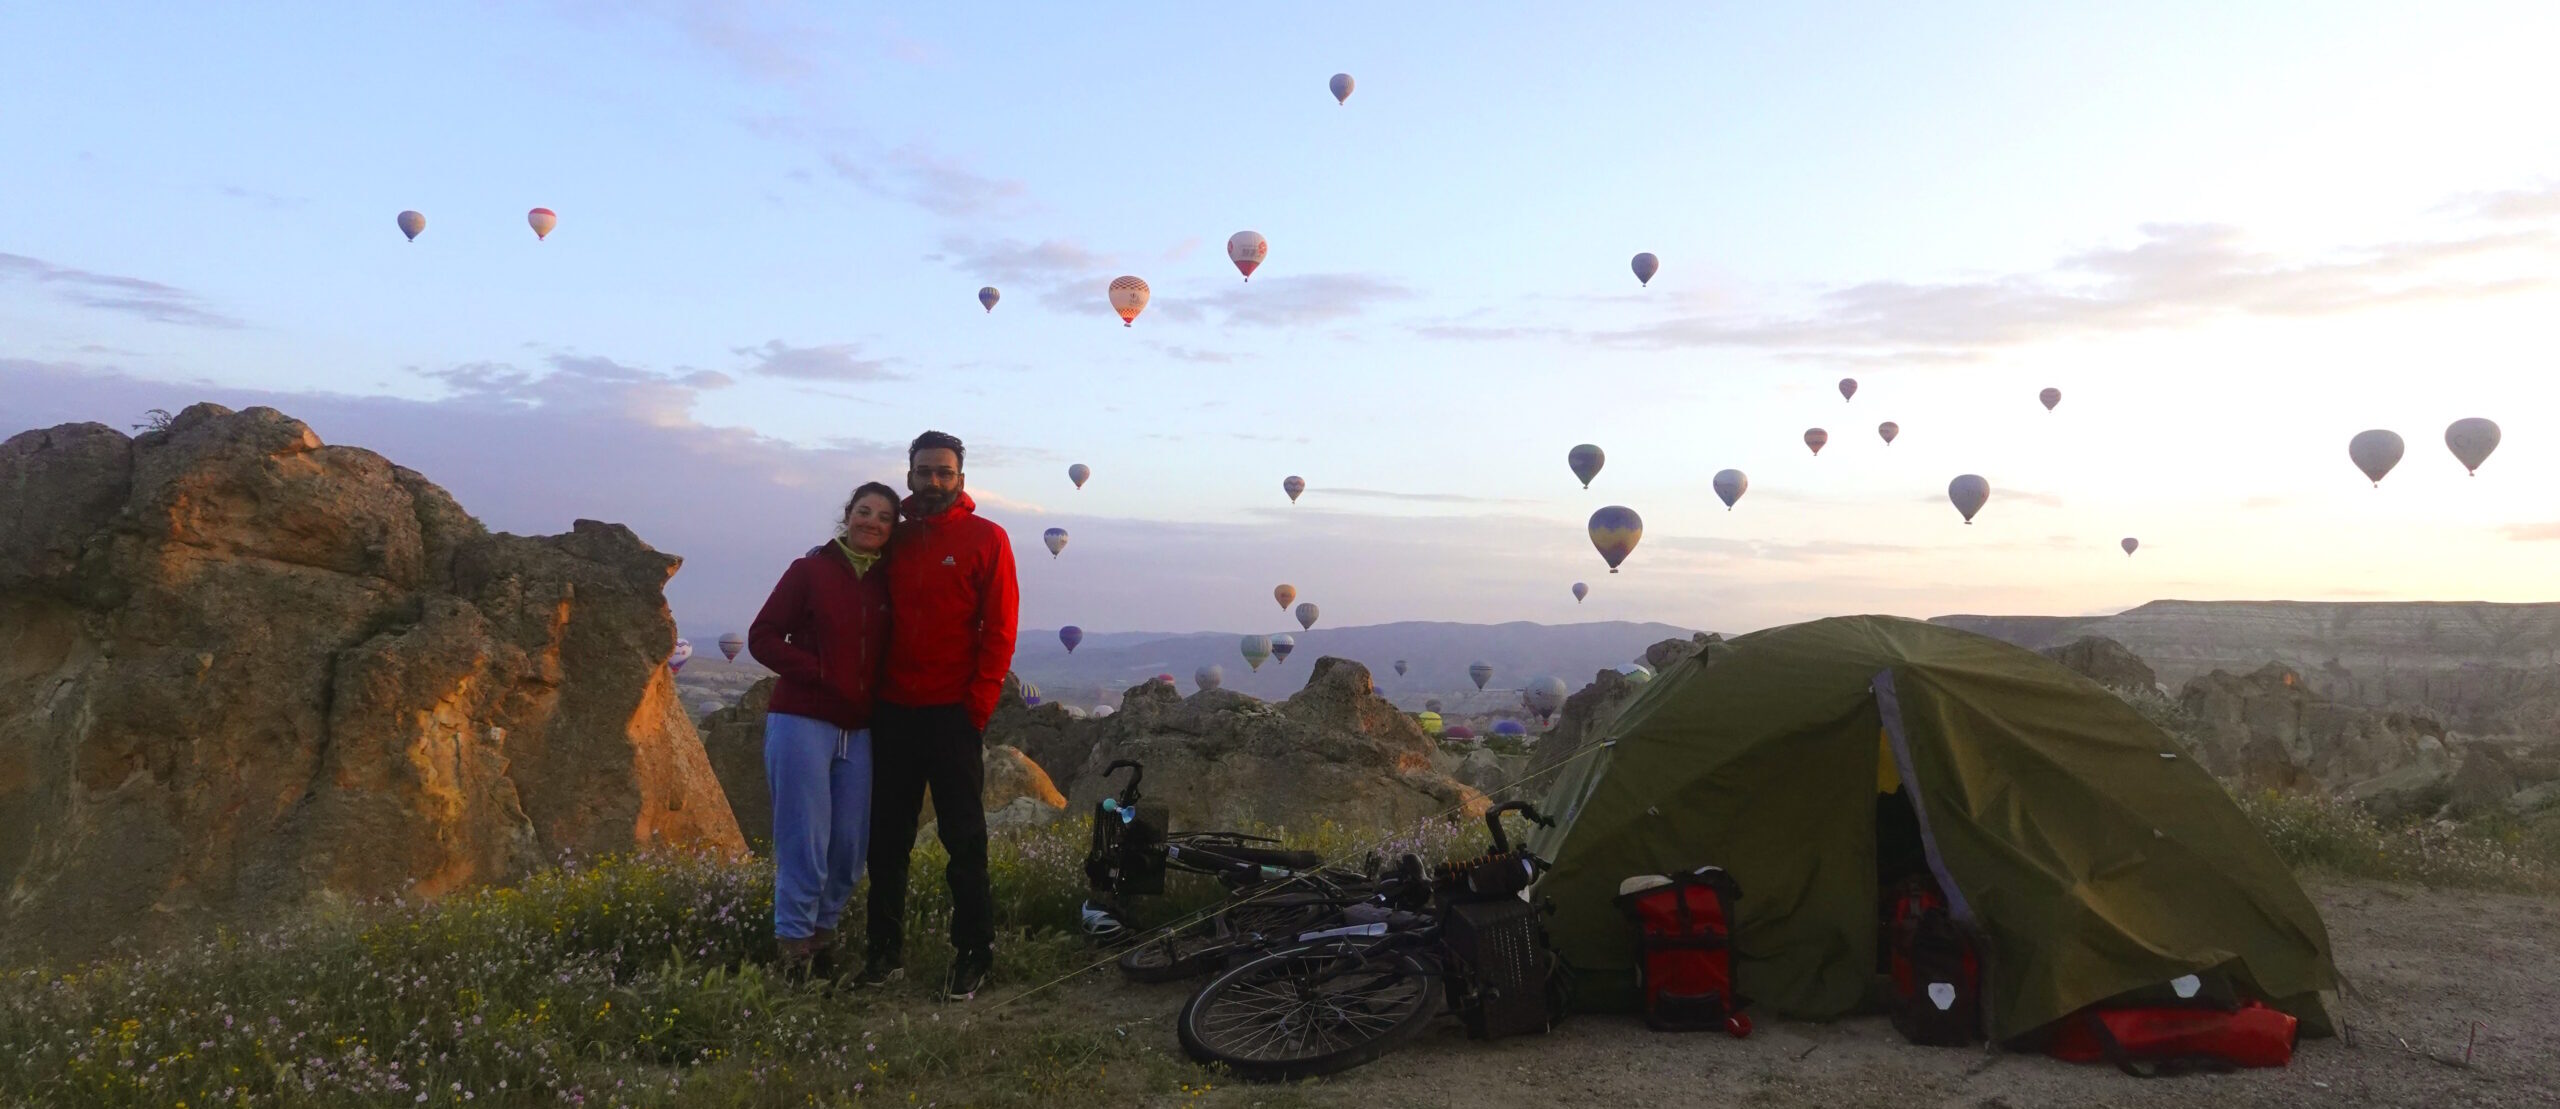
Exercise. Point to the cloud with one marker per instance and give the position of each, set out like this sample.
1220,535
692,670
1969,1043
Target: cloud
1422,498
1295,300
932,181
1187,354
2532,533
2174,274
2522,205
133,296
1473,333
833,362
1048,261
2001,496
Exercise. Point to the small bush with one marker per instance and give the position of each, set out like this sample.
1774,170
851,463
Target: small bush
2312,831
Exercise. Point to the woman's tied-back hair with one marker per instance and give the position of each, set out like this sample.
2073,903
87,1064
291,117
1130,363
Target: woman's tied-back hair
867,489
938,440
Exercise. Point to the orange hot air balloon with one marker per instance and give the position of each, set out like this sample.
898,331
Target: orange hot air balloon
1128,297
1285,594
542,220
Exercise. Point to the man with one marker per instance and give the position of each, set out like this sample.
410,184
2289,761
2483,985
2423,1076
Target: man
951,631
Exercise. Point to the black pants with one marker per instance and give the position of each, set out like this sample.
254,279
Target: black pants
913,749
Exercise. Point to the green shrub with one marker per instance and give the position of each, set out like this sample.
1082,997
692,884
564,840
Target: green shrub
2312,831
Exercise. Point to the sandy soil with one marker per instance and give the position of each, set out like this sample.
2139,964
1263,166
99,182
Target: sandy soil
2423,965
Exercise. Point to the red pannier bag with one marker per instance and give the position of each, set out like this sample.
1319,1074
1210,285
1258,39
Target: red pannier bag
1684,963
1937,978
2151,1041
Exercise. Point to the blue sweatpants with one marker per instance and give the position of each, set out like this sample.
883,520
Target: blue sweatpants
820,776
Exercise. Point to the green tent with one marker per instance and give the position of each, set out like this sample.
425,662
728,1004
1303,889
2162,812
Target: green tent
2087,853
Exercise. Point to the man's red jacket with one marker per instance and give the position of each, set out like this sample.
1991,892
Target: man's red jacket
952,591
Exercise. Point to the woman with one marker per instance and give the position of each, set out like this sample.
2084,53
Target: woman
825,630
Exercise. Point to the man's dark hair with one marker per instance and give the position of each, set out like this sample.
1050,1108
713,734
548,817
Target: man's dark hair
938,440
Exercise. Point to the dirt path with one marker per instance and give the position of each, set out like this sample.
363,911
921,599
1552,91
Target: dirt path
2423,965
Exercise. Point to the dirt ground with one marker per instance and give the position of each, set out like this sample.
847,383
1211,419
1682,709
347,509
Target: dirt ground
2422,966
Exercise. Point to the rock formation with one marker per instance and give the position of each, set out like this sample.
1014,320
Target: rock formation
2266,729
2106,662
239,668
1334,752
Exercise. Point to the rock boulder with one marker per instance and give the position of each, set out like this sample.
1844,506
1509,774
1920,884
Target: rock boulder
2105,662
240,668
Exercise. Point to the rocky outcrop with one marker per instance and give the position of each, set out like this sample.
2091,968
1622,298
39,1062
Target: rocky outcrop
1661,655
2266,729
1334,752
733,737
240,668
2105,662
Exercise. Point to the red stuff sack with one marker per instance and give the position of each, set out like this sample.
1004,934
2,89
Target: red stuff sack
1684,964
2148,1042
1937,978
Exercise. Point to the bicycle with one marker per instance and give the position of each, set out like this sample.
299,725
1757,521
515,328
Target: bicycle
1468,942
1276,891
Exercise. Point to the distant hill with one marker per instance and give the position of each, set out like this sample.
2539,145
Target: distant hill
2486,667
1438,654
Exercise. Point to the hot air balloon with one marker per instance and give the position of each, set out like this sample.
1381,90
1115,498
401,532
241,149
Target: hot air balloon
1341,86
1815,437
1459,732
1510,728
1432,705
1056,538
1614,532
1429,720
1247,249
2052,397
1848,388
1307,615
542,221
1636,673
1544,696
2129,544
1078,472
1645,265
1482,672
1071,635
1256,648
1281,645
1128,297
1209,677
988,296
411,223
1284,593
1100,711
1968,491
1887,430
1293,485
1580,591
1400,667
730,644
676,660
2471,440
1586,461
2375,452
1730,485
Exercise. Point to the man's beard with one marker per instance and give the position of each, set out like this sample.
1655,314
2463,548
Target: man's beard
930,504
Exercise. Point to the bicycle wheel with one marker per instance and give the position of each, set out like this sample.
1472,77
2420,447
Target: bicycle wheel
1173,957
1308,1011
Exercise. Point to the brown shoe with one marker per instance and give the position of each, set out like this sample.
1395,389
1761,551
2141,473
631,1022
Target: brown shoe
822,951
796,956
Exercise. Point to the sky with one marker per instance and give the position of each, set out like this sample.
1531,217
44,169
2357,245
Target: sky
2232,235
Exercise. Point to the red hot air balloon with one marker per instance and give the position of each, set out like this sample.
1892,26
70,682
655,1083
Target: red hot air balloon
1247,249
542,221
1615,531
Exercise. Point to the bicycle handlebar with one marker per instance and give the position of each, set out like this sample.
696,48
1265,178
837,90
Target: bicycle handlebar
1493,822
1137,772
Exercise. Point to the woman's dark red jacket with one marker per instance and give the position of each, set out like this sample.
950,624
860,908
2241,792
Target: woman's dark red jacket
825,630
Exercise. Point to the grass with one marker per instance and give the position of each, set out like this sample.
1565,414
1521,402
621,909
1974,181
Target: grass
642,981
639,980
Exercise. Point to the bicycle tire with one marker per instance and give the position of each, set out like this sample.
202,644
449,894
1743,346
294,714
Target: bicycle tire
1214,1019
1208,944
1170,959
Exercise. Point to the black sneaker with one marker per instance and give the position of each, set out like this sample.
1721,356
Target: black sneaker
968,974
880,970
